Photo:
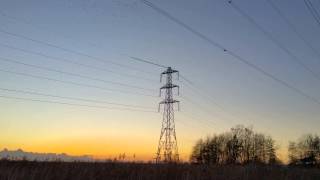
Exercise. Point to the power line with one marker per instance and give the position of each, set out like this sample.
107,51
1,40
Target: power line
316,11
192,116
205,124
72,51
272,4
76,83
199,106
190,82
204,95
36,26
313,11
148,62
236,57
64,60
72,74
182,122
201,94
271,76
90,44
184,25
187,80
274,40
72,104
71,98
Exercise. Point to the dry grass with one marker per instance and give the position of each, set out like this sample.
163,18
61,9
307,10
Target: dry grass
24,170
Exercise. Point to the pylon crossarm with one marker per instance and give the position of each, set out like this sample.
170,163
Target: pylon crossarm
169,71
169,101
169,86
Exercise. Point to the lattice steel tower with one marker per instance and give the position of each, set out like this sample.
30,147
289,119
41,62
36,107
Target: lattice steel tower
168,147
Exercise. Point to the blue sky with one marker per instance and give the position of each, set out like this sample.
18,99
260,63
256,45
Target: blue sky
116,29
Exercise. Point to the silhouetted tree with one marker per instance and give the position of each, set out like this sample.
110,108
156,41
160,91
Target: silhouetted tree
305,151
238,146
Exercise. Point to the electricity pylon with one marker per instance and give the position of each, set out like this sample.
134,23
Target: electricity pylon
168,147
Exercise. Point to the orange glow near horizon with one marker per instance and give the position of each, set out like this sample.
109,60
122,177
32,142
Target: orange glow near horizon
97,151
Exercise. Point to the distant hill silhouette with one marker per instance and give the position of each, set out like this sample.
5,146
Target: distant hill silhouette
31,156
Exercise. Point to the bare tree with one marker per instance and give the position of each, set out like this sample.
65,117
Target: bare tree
238,146
305,151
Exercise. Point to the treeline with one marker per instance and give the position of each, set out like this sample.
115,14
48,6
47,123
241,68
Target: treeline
305,151
242,145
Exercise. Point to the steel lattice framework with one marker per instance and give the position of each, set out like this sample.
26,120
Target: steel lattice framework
168,148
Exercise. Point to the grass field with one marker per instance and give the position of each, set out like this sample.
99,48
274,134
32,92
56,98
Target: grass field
24,170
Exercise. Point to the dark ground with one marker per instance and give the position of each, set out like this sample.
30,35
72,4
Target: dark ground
25,170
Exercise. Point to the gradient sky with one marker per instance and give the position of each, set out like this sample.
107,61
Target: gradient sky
116,29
